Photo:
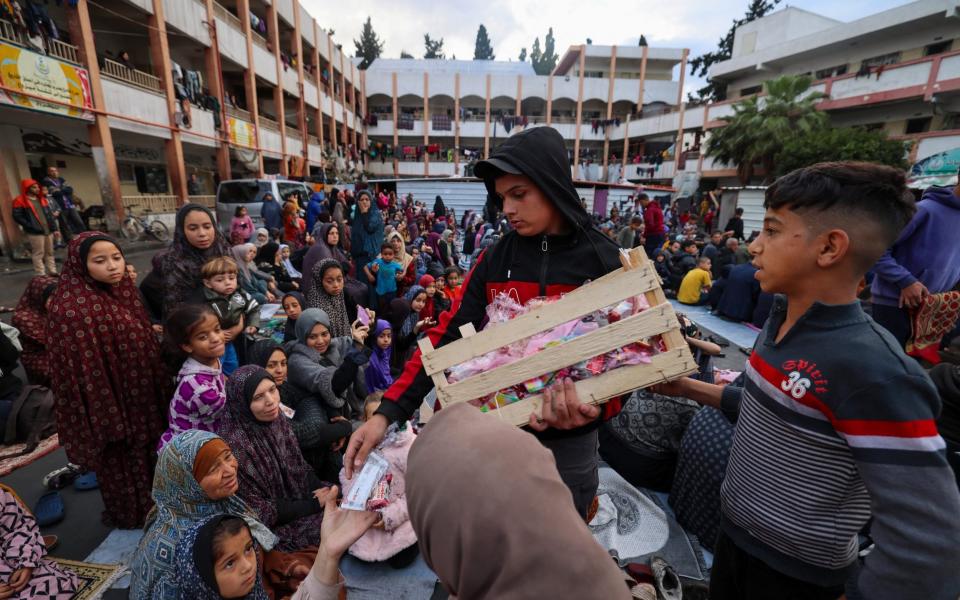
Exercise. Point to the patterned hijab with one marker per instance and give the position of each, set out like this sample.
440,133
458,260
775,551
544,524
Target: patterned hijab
30,319
105,369
181,262
402,255
180,505
334,306
271,463
194,564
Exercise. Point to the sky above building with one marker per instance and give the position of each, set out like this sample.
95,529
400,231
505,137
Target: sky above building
513,24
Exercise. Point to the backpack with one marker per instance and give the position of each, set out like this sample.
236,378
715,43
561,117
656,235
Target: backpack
32,418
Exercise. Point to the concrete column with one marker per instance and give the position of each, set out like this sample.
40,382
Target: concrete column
353,104
316,65
626,148
214,73
250,79
396,133
576,140
160,56
333,105
486,123
301,105
426,123
363,104
101,139
456,123
606,130
678,147
343,103
273,37
519,108
643,78
550,99
13,168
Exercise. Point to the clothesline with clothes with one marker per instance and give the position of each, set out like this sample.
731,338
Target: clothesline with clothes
33,22
597,124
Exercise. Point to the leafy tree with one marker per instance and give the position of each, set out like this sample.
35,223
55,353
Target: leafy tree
643,40
523,55
544,62
433,48
762,125
483,49
369,46
700,65
404,54
843,143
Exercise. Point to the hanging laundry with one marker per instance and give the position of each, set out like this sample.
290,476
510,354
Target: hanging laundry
441,123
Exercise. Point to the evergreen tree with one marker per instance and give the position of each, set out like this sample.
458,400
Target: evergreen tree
546,60
643,40
700,65
432,48
403,54
483,49
523,54
369,46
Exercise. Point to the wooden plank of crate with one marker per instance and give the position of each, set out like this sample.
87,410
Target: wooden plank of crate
609,289
439,378
597,390
671,339
648,323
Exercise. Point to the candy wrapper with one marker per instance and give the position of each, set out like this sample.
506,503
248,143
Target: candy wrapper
504,307
368,481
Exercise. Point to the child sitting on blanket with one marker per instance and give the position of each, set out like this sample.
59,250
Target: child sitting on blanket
393,538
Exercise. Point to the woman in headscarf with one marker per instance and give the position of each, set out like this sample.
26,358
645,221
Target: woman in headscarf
404,258
251,279
367,231
274,479
328,367
553,249
196,479
293,227
327,292
447,250
320,437
262,237
109,383
456,503
287,264
433,252
30,319
439,210
196,239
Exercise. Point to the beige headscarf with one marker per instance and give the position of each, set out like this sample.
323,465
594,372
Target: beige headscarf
494,519
402,255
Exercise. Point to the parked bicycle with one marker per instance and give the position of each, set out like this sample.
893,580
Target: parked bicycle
134,227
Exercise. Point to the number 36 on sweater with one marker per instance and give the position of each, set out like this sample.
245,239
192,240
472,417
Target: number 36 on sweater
796,385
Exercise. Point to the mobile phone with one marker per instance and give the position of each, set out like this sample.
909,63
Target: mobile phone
363,316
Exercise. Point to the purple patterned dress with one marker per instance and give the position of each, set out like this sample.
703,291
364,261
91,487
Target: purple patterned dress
197,402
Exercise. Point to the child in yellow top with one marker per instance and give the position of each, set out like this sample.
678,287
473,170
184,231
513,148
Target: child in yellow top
696,284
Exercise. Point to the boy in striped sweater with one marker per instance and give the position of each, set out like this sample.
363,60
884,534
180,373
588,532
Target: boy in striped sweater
835,424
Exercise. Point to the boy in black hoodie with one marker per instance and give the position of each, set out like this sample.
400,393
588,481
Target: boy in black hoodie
551,249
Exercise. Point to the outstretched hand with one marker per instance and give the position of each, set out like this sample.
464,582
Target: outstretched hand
362,442
562,408
340,528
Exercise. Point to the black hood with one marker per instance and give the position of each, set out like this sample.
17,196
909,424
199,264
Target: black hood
540,154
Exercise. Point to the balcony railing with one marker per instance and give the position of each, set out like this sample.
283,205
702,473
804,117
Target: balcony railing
239,113
55,48
204,200
222,12
260,41
156,203
313,139
294,133
115,70
268,123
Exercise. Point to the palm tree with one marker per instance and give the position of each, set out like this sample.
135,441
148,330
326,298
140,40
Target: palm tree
761,125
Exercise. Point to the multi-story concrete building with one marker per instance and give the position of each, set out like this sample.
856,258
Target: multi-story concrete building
98,90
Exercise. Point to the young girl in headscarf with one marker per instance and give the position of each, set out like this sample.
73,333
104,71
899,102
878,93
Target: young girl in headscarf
287,264
196,479
268,261
293,304
327,292
30,319
328,366
108,380
23,569
196,239
293,226
377,372
401,255
275,481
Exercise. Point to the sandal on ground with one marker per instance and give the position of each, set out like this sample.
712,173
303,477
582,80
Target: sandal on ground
62,477
49,509
51,542
87,481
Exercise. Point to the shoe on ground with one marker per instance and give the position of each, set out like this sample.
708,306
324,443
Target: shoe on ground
666,580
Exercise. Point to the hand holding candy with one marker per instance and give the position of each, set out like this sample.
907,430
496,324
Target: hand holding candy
562,408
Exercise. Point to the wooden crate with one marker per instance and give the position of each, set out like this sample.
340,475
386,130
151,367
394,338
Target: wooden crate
637,277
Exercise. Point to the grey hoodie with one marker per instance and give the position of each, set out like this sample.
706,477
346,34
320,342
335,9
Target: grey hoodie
313,372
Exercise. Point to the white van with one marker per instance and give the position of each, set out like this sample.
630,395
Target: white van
249,193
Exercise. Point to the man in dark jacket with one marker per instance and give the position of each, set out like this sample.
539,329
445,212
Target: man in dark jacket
735,225
271,213
33,214
924,260
552,249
